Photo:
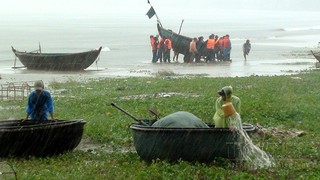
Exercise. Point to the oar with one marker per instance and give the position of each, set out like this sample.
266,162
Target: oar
136,119
154,112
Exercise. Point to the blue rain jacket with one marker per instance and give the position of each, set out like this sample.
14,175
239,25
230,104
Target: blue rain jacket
39,105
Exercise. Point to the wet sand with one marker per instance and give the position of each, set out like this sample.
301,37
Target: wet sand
238,68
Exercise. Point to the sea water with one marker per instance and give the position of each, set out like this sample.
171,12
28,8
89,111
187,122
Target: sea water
274,34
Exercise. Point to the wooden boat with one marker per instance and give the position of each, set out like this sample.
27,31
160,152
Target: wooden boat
34,138
189,144
57,61
316,55
180,43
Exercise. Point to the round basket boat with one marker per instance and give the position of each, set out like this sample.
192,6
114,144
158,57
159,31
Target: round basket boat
34,138
189,144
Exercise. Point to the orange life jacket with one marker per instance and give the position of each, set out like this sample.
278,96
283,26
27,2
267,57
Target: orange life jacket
226,43
153,44
168,44
220,43
211,43
161,43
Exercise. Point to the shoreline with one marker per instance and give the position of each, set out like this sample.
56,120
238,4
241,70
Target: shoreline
214,70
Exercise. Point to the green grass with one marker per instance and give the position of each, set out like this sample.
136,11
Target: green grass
277,101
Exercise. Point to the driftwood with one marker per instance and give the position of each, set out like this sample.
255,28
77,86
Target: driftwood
277,132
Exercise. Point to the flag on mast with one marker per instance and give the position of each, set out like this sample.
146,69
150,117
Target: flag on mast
151,13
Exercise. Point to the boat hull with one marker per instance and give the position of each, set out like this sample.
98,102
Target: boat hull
57,61
180,43
316,55
189,144
33,138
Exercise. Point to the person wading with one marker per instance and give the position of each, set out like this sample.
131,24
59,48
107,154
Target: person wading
193,49
246,47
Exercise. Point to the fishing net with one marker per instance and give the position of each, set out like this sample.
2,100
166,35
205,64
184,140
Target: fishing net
250,154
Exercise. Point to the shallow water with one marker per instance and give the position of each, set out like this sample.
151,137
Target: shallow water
276,38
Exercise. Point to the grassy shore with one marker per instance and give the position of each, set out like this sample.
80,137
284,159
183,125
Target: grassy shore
280,104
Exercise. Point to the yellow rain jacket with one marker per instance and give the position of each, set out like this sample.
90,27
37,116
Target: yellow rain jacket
219,120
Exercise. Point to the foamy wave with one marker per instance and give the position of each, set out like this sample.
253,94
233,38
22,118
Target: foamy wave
300,28
239,39
105,49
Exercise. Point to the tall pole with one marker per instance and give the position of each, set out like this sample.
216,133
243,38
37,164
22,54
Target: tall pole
177,54
155,13
181,26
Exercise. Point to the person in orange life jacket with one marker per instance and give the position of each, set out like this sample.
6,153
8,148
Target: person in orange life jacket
168,47
216,47
210,48
154,47
40,104
220,49
160,50
227,48
193,49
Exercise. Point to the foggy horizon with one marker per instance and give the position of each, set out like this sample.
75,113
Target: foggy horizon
138,7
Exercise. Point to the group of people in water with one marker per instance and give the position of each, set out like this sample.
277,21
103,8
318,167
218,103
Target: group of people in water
214,49
161,49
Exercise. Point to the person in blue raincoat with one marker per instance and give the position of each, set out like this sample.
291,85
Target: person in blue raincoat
40,104
219,118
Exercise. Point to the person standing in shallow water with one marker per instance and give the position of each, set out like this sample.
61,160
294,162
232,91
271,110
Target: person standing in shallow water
40,104
246,47
193,49
154,48
160,55
226,96
200,49
226,48
167,47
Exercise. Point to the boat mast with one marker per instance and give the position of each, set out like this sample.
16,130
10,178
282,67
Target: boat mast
39,48
181,26
179,33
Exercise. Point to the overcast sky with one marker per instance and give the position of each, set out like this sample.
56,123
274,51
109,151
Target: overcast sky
118,7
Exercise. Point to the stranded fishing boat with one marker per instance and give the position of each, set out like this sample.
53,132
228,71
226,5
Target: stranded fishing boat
57,61
316,55
34,138
180,43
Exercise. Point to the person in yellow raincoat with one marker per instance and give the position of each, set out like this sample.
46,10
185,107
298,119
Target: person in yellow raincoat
221,120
